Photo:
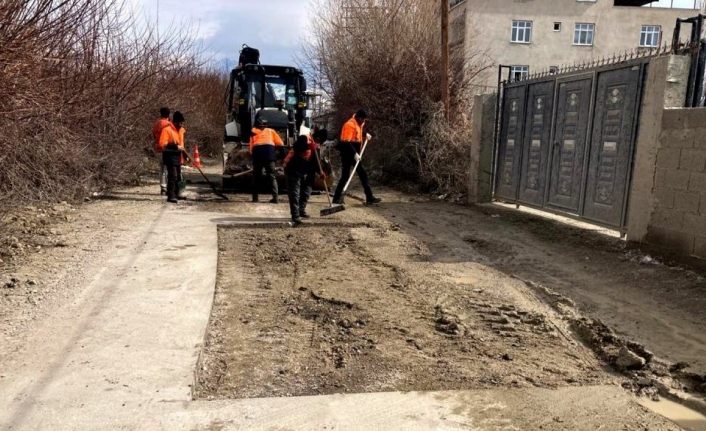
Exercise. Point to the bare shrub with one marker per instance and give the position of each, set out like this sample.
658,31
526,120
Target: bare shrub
443,153
385,56
201,97
82,84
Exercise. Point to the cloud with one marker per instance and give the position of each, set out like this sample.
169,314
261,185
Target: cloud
276,27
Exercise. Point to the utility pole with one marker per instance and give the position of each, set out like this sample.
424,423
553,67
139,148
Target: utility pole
445,97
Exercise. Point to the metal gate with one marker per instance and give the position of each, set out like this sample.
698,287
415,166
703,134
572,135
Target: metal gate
566,141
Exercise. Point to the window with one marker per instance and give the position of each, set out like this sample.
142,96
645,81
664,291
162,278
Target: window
518,72
521,31
275,88
557,26
650,35
583,34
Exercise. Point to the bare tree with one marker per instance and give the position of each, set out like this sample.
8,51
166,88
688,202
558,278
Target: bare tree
81,85
385,55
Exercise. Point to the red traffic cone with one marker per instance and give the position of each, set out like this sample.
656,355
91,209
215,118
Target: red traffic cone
197,158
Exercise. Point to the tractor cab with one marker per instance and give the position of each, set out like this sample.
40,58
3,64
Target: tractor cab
275,93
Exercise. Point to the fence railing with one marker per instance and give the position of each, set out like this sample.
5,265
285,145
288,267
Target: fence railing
606,61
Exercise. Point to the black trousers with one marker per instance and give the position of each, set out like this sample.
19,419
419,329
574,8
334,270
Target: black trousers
172,161
270,174
173,178
347,163
299,186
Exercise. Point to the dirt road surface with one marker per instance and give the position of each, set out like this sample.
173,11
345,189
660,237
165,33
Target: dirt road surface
375,314
411,315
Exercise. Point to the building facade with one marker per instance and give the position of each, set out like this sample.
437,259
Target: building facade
539,35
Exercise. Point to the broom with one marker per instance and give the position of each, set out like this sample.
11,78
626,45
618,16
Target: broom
332,209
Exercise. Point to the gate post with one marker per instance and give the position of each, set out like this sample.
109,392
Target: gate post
482,148
665,86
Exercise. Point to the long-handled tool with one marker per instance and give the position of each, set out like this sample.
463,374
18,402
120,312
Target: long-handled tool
355,168
240,174
332,209
213,187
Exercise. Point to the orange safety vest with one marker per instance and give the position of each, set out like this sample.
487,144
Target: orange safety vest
182,143
170,135
307,154
182,137
352,131
159,125
265,136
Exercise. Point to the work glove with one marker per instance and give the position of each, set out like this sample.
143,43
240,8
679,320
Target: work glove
357,157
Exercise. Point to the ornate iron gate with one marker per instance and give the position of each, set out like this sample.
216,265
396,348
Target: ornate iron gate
566,141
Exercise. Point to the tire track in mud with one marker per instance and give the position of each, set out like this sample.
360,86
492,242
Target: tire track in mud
329,310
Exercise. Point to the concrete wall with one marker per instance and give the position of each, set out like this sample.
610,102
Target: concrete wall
489,24
678,221
665,87
481,149
667,205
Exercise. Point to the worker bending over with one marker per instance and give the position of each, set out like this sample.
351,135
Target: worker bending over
171,144
160,124
301,167
263,143
350,146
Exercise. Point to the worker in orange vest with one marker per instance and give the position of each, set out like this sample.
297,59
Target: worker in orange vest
301,167
172,147
160,124
263,149
349,146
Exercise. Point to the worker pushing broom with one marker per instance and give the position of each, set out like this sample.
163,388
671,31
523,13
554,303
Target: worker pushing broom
303,163
351,147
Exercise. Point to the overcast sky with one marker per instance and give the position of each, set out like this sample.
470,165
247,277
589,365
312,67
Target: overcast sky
275,27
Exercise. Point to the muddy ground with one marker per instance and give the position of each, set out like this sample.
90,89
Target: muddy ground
659,305
431,295
322,310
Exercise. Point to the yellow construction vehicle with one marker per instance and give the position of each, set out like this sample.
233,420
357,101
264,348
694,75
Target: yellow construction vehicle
277,94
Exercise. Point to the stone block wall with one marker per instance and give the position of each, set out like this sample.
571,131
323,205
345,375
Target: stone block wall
678,220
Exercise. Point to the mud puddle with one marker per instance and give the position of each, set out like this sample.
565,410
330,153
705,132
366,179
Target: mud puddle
689,420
